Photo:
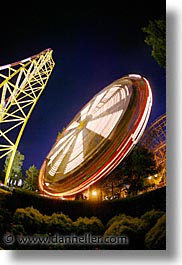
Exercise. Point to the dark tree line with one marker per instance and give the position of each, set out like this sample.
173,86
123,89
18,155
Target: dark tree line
131,174
156,37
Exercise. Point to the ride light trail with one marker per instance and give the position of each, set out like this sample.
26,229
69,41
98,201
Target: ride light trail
99,137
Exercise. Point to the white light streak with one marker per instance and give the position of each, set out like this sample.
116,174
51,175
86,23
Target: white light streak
127,90
25,60
84,112
56,152
110,93
135,76
143,122
5,66
73,125
53,170
96,101
104,125
123,94
104,107
76,156
63,139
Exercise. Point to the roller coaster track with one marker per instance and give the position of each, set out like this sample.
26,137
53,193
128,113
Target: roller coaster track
154,139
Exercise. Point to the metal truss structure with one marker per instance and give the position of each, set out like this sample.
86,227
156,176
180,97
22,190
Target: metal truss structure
154,139
21,84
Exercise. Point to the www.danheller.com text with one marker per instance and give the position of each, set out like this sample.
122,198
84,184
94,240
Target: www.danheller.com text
88,239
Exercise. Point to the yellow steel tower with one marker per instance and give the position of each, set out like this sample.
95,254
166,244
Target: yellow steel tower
21,84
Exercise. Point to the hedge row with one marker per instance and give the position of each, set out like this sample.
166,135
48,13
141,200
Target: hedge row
104,210
145,232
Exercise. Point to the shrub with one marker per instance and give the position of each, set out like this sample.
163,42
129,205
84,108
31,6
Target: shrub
84,225
30,218
132,227
156,236
58,223
126,220
18,229
117,218
150,218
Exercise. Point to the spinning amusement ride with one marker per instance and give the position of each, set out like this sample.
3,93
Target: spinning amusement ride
97,139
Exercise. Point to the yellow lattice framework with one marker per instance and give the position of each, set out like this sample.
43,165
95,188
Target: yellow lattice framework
21,84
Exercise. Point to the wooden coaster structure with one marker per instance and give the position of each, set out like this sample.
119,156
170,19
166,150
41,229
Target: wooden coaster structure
154,139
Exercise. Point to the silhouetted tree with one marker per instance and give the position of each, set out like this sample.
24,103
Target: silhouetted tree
16,170
156,37
137,166
31,182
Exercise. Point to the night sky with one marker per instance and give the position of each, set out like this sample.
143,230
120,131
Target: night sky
92,47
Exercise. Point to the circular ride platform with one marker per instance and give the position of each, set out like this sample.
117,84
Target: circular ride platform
98,138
